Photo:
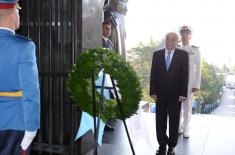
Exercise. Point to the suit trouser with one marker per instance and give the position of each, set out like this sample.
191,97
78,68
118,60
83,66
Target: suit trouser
10,142
186,112
170,108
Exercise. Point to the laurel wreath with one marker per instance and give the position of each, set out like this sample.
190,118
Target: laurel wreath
89,64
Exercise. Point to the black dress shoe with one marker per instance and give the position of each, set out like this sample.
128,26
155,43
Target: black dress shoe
171,151
161,151
108,128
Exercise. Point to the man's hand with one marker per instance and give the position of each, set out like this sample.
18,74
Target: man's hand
195,90
181,98
28,138
154,97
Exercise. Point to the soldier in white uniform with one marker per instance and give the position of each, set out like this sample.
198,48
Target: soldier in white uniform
194,78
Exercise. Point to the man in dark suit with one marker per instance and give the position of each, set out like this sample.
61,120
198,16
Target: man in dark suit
107,28
168,87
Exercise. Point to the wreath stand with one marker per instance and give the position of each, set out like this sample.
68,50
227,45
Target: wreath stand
100,103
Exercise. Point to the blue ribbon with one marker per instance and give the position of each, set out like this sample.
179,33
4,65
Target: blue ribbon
87,123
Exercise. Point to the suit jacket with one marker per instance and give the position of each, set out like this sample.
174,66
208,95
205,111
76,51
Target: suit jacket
18,73
107,44
172,83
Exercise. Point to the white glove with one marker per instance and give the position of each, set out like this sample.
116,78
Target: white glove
28,138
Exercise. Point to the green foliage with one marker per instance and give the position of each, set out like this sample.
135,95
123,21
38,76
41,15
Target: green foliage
90,63
141,59
233,69
225,69
211,84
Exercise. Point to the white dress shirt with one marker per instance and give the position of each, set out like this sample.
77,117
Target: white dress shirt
181,98
105,38
171,55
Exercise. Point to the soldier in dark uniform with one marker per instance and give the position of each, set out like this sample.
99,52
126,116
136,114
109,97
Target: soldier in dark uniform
19,86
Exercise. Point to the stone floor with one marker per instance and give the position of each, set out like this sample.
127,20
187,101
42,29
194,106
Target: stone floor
210,134
227,106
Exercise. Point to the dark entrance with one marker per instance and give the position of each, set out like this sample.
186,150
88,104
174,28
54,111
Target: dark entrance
56,28
61,29
50,25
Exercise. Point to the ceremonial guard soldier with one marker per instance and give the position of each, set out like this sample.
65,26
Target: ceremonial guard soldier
19,85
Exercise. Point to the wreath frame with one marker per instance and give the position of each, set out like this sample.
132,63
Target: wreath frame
79,83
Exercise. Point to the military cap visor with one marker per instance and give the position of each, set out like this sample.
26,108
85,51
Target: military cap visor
185,29
9,4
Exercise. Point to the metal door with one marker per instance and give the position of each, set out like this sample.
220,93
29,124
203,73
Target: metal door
53,26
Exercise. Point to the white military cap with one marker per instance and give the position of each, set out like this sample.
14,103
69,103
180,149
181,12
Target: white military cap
185,28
